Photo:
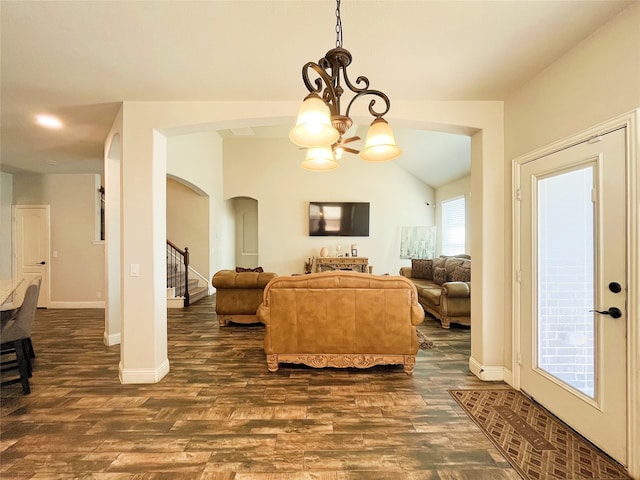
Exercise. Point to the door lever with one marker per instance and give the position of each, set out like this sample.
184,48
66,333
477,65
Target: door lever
613,311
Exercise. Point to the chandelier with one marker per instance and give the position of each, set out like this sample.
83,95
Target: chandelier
320,126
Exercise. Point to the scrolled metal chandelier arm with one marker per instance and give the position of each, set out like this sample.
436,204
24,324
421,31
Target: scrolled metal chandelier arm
372,111
329,88
323,85
321,125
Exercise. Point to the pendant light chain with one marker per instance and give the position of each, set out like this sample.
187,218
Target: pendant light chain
338,26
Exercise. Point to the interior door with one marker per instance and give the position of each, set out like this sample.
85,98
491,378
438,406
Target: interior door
32,246
573,261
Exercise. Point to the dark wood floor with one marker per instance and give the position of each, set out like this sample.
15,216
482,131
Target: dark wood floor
219,414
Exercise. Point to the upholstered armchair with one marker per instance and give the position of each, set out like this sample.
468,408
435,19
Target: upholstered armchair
238,295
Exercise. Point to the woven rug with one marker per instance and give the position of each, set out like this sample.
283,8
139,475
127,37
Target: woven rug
423,342
536,444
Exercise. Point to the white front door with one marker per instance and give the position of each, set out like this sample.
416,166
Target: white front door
573,261
32,246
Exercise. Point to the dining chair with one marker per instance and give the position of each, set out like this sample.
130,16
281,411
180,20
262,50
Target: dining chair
15,338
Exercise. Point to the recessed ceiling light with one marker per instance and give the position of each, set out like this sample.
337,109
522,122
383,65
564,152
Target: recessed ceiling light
48,121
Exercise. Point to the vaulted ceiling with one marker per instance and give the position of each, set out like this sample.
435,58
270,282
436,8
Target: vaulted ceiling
78,59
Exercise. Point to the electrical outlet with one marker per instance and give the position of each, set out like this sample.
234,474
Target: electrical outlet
99,295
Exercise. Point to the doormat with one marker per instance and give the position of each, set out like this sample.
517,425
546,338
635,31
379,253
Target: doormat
423,342
534,442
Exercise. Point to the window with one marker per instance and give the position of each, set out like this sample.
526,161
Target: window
453,230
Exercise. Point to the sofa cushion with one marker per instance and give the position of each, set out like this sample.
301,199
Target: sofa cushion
439,275
431,295
421,268
422,283
461,274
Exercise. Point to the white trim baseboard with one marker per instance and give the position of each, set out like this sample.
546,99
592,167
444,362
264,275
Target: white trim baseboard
507,376
488,373
111,340
99,304
175,302
143,375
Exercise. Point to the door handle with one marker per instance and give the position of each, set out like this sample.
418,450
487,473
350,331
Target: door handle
613,311
43,263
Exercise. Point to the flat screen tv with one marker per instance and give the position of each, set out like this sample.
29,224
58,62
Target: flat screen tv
339,219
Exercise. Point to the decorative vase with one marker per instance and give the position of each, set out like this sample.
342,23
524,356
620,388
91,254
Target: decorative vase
324,252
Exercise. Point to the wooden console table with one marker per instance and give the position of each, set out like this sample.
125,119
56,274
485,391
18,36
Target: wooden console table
359,264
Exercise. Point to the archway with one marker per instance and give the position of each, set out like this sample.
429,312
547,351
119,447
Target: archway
144,310
245,211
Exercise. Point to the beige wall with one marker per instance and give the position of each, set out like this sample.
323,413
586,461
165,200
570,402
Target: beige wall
77,272
283,190
6,231
195,159
188,223
457,188
596,81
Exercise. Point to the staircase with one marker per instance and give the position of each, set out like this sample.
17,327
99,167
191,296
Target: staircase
183,289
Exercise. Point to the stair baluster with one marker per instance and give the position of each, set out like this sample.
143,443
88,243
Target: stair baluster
178,270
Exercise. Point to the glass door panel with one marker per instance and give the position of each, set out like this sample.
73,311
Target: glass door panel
566,259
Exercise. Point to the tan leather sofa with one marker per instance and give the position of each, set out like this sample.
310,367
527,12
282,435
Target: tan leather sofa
444,287
238,295
341,319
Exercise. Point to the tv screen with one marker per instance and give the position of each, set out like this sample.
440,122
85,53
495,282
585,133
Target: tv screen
339,219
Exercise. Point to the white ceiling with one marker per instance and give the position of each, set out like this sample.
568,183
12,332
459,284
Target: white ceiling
79,59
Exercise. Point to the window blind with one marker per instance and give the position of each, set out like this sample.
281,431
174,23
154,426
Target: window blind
453,226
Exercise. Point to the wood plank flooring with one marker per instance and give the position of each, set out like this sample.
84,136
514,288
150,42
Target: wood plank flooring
220,415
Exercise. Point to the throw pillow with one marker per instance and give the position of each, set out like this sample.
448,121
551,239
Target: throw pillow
450,264
422,269
439,275
461,274
242,269
440,261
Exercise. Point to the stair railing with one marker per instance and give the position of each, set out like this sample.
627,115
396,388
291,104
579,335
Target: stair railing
178,270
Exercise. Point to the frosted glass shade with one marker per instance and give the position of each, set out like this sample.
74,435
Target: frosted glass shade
313,127
380,145
320,160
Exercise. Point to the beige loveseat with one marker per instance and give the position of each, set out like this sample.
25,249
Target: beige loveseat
444,287
238,295
341,319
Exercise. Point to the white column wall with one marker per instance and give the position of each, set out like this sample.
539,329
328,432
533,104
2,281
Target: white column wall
113,304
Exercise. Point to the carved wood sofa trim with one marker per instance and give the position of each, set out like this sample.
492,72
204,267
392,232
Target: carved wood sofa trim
341,360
